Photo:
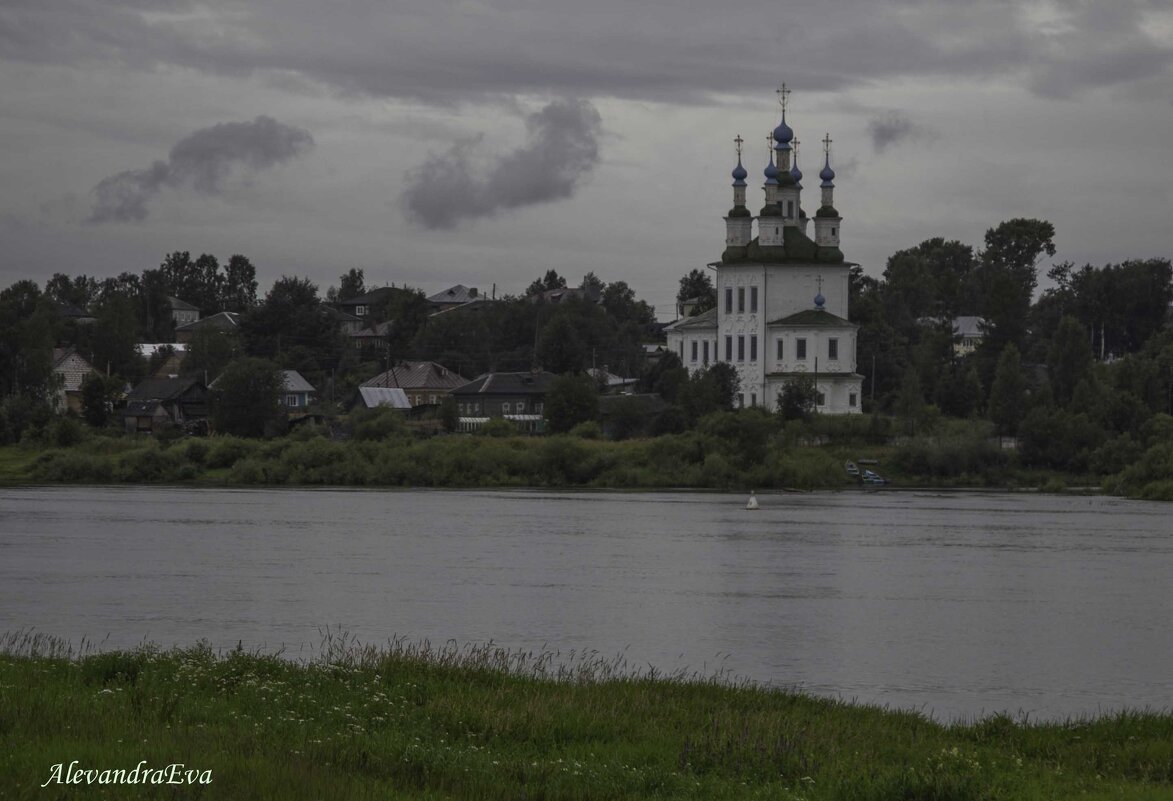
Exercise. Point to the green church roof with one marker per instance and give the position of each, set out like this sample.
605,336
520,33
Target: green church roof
814,318
796,247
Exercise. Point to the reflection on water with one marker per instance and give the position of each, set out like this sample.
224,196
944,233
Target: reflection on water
954,604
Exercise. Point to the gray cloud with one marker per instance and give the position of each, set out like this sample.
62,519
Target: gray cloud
561,150
201,161
893,127
447,52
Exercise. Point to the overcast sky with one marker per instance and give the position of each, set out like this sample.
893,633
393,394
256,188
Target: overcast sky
435,142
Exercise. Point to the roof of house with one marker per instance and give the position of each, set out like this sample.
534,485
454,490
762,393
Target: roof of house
566,293
394,397
376,331
180,305
73,312
418,375
814,318
220,321
968,326
473,305
369,298
706,319
162,389
608,378
528,383
294,381
457,294
149,349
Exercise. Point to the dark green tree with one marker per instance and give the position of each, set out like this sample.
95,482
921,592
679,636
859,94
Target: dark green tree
798,398
98,395
697,286
1069,359
572,399
1007,404
559,348
1007,277
246,398
239,289
550,281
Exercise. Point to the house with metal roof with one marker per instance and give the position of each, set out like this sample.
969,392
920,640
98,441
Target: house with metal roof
182,312
224,322
425,383
518,397
454,296
157,402
71,368
372,397
297,393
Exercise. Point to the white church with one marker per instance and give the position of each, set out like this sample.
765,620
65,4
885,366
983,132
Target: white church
781,296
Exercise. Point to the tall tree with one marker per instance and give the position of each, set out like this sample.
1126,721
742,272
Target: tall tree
697,286
1007,276
240,285
247,397
351,284
1069,359
1007,404
551,280
572,399
559,347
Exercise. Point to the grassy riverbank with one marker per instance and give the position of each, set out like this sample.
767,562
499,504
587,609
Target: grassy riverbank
413,722
733,451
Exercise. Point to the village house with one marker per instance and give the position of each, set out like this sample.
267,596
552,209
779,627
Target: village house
373,397
519,397
454,296
224,322
71,369
425,383
182,312
297,393
157,403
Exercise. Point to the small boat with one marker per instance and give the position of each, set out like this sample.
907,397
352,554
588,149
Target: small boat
753,501
851,469
873,478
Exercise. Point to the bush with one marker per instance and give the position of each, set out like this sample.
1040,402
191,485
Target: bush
374,425
227,451
588,430
71,466
150,465
196,451
498,427
65,432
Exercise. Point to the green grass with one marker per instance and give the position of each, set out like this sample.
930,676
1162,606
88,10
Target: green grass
411,721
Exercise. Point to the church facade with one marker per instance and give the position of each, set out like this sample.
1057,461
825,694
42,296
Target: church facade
782,295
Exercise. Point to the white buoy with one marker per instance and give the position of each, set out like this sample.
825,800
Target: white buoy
753,501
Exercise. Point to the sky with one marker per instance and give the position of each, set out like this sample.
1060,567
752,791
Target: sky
483,142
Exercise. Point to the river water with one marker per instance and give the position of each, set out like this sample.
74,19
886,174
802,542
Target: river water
953,604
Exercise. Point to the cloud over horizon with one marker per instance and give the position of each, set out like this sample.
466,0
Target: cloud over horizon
561,150
200,161
893,127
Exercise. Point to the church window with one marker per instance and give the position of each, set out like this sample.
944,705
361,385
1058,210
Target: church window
740,299
682,350
851,400
753,399
800,349
741,347
741,400
779,356
833,349
753,299
822,399
706,351
789,208
728,349
753,347
694,350
834,231
729,300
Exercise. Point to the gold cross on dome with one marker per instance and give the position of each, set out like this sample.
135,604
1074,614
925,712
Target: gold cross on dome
819,281
783,93
796,144
827,144
737,141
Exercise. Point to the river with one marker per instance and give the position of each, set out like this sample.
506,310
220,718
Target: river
957,605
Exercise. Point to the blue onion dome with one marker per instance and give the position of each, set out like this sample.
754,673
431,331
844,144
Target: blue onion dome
783,133
796,174
827,174
819,300
771,172
739,174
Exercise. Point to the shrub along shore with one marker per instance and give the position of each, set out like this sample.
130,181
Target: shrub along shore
745,450
411,721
